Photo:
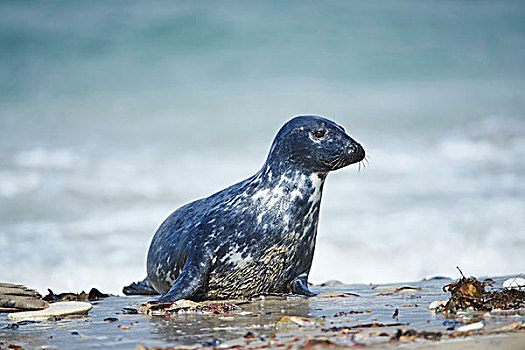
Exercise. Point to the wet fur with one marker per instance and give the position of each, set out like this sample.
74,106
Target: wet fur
257,236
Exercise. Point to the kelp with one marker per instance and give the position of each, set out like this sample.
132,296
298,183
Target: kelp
472,294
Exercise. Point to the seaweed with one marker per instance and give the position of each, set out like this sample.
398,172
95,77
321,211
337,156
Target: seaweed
93,295
407,335
186,306
471,294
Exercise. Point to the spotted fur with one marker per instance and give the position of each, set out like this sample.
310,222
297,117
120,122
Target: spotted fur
257,236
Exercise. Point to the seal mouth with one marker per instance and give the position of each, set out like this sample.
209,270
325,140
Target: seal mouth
355,155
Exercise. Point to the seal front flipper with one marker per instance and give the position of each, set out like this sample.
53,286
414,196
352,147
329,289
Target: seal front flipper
300,286
189,282
143,287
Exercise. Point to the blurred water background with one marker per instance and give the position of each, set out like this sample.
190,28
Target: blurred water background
113,114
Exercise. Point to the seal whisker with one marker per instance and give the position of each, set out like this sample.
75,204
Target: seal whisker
364,162
340,163
367,158
361,166
333,163
336,162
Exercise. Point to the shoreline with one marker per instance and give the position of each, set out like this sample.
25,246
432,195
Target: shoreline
331,319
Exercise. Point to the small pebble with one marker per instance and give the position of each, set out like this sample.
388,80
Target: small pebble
111,319
396,313
452,324
249,335
471,327
435,304
214,342
514,283
130,310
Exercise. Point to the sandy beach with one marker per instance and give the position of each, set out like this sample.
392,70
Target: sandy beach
341,316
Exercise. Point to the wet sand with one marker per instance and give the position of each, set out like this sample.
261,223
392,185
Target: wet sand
331,322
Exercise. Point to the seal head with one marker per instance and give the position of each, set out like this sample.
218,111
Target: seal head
257,236
314,144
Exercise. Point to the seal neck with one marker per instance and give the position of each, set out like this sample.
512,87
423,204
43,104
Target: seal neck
293,186
272,172
279,165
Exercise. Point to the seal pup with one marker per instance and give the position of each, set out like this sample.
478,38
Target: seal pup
256,236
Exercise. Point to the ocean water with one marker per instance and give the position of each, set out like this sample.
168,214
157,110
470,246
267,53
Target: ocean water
114,114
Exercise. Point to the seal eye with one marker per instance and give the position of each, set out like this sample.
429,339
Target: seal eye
319,134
